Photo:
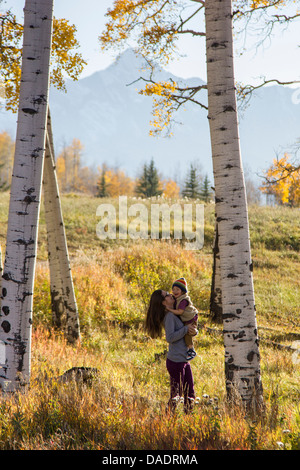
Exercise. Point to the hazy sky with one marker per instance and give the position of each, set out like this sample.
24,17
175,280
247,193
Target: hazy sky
279,58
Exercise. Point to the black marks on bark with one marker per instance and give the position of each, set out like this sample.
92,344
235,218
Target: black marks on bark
232,276
250,356
29,199
238,227
230,368
25,294
251,267
228,109
36,152
21,241
7,277
219,44
5,310
245,380
57,305
216,93
4,292
29,111
20,349
241,334
230,360
22,213
5,325
228,316
40,99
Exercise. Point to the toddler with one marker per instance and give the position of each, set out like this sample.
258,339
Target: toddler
186,310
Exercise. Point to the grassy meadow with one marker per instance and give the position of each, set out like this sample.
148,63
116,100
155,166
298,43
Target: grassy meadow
123,407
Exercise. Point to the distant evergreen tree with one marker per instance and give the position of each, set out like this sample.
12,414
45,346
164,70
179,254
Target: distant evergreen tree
148,184
205,192
192,184
142,185
102,185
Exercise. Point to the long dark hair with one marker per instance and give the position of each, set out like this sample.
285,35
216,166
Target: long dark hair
155,315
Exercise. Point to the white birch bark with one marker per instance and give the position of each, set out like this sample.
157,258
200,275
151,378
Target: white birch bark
242,359
216,289
63,300
21,245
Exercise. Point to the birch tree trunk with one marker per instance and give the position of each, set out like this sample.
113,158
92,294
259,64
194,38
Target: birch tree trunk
216,310
242,359
21,245
63,300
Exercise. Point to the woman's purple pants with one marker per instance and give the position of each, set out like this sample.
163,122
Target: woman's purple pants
182,383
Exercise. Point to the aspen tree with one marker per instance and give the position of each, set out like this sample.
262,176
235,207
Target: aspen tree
21,245
63,300
155,26
242,358
216,310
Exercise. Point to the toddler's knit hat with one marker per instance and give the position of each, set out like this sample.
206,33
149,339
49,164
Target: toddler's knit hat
181,283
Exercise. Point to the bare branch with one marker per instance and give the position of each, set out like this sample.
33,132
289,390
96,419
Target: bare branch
244,92
285,18
190,31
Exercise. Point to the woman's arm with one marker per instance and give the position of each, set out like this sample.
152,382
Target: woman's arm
173,335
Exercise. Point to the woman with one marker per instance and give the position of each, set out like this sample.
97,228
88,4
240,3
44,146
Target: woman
181,376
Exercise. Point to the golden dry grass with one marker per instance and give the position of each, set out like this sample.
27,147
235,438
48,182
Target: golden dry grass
124,406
